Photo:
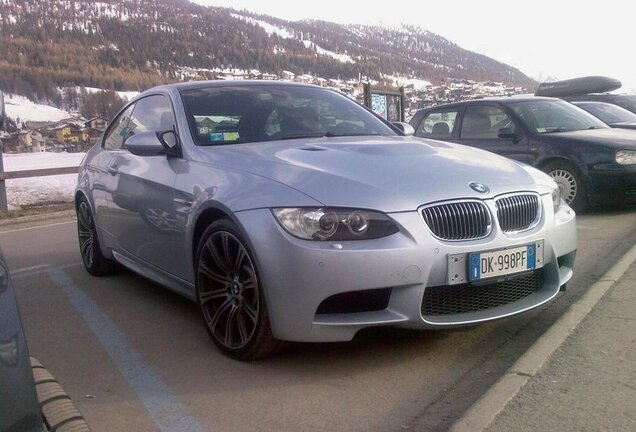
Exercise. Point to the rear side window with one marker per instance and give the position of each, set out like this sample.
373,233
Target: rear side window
118,130
484,122
438,124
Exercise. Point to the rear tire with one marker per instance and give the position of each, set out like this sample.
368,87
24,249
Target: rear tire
94,261
230,295
570,181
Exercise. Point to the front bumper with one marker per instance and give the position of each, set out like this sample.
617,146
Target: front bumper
299,275
615,186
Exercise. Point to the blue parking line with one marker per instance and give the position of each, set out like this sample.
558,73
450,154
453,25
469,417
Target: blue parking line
160,402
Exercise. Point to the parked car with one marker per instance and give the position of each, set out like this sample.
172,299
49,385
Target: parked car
296,214
31,400
626,101
613,115
19,406
591,163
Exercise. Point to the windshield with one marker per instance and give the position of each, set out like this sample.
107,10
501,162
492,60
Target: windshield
626,101
607,112
241,114
548,116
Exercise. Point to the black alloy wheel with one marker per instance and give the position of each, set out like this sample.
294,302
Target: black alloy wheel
94,261
230,296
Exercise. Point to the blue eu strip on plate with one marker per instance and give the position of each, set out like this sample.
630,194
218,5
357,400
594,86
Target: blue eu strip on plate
484,265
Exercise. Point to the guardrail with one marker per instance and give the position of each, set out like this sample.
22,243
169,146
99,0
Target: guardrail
9,175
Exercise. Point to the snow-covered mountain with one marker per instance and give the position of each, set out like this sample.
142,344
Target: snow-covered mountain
133,44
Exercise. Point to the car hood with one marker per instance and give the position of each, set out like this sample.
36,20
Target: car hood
385,173
610,137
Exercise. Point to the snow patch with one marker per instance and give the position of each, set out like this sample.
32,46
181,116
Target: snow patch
21,107
39,190
418,84
344,58
269,28
128,95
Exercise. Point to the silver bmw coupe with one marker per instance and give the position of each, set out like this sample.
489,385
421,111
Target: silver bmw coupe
291,213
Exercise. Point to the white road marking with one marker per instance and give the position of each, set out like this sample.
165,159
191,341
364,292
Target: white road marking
38,227
28,269
34,272
160,401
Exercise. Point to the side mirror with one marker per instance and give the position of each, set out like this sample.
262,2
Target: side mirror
405,128
508,133
169,139
145,144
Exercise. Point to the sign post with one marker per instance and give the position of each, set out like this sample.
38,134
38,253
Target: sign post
388,104
4,207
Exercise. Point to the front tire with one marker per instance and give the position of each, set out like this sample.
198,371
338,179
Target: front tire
570,182
230,295
94,261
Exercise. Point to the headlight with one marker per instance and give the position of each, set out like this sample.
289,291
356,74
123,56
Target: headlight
626,157
335,224
556,198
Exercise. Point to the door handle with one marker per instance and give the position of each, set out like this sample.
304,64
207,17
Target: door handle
113,170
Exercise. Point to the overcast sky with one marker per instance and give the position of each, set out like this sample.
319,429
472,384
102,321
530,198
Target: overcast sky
558,39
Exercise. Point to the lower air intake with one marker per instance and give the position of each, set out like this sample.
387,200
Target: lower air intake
465,298
356,301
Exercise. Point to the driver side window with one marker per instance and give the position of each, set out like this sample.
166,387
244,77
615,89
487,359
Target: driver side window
484,122
151,114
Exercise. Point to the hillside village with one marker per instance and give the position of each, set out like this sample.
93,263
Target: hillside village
77,134
71,135
418,93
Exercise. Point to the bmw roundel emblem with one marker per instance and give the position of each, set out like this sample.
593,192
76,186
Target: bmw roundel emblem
478,187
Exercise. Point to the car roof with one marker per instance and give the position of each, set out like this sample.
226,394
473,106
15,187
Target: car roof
590,102
498,99
599,96
194,85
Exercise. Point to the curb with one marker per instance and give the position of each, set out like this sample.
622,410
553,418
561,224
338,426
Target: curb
483,412
37,217
58,410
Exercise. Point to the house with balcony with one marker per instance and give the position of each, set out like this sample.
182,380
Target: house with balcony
98,123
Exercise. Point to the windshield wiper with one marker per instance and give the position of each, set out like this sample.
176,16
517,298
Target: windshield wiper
556,130
332,134
302,135
327,134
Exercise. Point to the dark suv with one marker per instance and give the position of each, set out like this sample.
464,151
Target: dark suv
592,163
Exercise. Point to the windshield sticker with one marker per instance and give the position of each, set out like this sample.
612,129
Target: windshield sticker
215,137
230,136
223,136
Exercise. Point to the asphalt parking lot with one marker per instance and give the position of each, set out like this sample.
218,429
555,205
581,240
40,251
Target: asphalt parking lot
134,356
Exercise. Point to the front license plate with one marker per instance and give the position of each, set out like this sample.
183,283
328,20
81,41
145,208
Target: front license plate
485,265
